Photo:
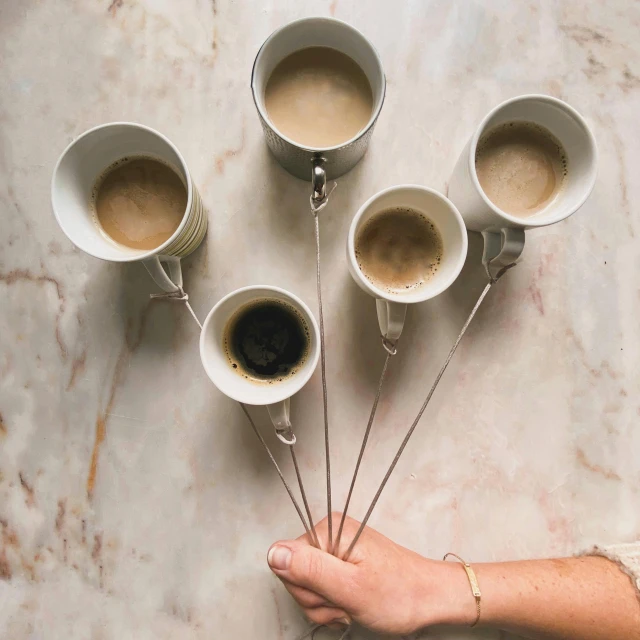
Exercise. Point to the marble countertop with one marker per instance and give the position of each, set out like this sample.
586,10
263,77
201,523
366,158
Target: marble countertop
134,500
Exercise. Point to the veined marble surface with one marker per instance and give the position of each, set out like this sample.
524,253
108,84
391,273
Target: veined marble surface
134,500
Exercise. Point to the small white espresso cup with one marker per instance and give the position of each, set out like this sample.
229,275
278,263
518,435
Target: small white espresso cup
74,178
274,395
504,233
392,307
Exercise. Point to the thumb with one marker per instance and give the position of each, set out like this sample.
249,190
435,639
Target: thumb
316,570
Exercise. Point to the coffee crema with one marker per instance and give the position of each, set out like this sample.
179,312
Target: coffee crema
521,167
399,250
319,97
267,341
139,202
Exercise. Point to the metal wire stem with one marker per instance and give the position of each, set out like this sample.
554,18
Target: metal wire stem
323,363
417,419
362,448
304,496
275,464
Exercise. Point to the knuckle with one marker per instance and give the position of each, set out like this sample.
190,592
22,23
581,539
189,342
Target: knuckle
336,619
351,525
315,615
335,520
308,601
323,615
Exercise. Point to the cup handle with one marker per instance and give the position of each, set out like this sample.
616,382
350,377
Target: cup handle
279,414
318,179
390,318
501,249
171,283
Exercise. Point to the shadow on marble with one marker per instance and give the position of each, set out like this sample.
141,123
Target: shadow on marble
460,298
286,199
195,265
365,349
120,295
240,438
125,289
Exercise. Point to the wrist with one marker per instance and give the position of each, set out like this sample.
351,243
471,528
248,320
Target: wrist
445,596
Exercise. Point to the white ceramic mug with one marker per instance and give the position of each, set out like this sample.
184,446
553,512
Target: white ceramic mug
275,395
504,233
392,307
75,175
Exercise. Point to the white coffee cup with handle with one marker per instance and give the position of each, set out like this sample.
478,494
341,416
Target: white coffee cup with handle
274,394
392,307
84,161
503,232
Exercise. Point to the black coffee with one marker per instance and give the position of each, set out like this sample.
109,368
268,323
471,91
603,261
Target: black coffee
267,340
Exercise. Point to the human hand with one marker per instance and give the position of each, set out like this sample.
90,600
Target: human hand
382,586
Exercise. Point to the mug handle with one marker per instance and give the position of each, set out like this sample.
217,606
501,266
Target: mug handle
171,283
501,249
279,413
318,179
391,317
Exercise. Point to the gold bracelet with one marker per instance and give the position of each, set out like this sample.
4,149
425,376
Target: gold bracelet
473,581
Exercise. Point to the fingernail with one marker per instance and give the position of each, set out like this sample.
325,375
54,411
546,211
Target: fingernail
344,621
279,557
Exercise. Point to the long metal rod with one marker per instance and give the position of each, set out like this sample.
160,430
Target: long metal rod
417,419
275,464
365,439
304,496
325,403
